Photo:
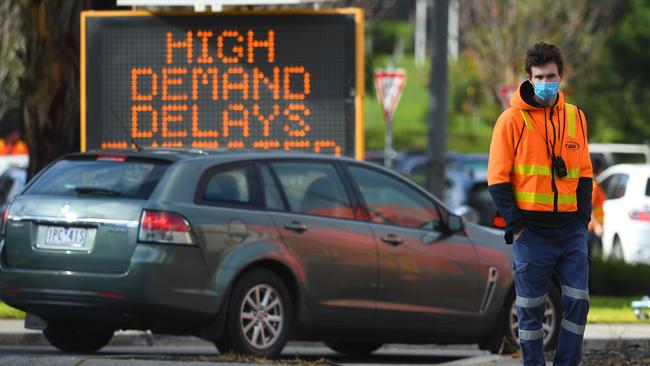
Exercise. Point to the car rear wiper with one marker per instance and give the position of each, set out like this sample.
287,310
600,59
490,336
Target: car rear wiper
97,191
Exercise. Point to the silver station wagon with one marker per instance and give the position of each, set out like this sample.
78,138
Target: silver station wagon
249,249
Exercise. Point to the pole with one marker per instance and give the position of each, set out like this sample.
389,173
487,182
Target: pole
420,32
388,144
437,141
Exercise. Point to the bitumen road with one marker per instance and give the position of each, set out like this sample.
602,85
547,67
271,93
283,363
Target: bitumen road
19,346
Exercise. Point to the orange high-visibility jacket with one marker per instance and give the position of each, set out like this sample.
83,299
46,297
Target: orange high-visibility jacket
598,197
519,154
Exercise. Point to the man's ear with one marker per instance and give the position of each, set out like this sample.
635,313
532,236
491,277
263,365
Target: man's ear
530,78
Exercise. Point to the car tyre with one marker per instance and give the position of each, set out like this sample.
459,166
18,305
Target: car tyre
77,338
354,348
617,249
260,315
223,344
551,323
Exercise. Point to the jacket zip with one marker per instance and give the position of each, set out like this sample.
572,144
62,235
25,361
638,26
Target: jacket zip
553,185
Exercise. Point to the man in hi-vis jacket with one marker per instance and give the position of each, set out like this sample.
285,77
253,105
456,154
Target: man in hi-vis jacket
539,175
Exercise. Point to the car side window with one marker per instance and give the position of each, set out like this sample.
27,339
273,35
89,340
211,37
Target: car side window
615,185
272,197
231,186
621,186
393,202
313,188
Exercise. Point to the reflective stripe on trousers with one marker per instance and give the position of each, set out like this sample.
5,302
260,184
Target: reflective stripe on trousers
537,256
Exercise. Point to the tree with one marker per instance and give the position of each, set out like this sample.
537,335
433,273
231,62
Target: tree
617,98
51,81
11,46
497,33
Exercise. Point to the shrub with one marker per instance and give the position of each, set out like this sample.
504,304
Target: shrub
617,278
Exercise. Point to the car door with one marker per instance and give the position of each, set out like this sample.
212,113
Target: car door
426,274
338,254
615,208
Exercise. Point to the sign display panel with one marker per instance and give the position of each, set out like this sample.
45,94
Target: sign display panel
262,80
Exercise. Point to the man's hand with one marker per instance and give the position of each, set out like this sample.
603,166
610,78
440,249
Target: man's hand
598,230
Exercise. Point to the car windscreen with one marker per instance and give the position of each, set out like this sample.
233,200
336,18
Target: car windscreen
126,179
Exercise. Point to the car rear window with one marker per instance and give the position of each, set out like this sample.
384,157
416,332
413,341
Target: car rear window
127,179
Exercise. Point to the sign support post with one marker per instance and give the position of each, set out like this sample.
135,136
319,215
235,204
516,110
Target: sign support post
389,85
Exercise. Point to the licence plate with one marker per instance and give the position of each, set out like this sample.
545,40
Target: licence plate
65,237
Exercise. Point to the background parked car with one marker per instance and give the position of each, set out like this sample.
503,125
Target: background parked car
612,154
627,212
465,189
248,249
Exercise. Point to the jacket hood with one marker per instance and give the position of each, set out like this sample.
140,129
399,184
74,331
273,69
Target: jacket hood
524,98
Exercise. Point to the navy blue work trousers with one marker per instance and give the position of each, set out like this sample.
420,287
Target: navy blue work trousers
537,255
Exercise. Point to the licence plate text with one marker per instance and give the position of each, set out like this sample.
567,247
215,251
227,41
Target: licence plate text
62,236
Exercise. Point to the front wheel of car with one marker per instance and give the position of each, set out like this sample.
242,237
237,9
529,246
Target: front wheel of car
77,338
550,323
260,315
354,348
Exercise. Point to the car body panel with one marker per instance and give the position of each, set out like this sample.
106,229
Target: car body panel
432,288
428,278
621,200
111,228
334,246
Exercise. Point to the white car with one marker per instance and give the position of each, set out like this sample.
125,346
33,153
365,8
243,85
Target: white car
626,234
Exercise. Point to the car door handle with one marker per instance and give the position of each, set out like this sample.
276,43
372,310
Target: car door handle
296,226
392,239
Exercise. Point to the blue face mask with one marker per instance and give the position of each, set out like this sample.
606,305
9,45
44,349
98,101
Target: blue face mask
546,90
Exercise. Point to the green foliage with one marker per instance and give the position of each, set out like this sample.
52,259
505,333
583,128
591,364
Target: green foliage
614,92
387,34
409,121
472,109
7,312
611,309
616,278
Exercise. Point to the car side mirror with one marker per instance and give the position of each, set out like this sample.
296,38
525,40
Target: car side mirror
454,223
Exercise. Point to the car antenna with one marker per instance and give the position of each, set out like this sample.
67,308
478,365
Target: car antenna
137,147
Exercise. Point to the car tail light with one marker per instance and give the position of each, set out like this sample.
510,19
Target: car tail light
640,214
164,227
5,215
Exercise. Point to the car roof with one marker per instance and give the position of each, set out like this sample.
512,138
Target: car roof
629,168
175,154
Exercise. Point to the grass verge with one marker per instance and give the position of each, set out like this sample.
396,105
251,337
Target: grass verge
7,312
610,309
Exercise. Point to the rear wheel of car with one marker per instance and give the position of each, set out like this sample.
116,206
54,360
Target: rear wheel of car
353,348
617,249
260,315
77,338
550,324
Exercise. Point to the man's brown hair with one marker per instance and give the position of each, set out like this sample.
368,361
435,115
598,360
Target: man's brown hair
543,53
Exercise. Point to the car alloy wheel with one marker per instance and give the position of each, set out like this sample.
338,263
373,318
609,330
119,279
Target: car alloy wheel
550,323
260,315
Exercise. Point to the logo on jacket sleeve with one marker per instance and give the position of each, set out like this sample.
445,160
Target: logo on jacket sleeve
572,145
